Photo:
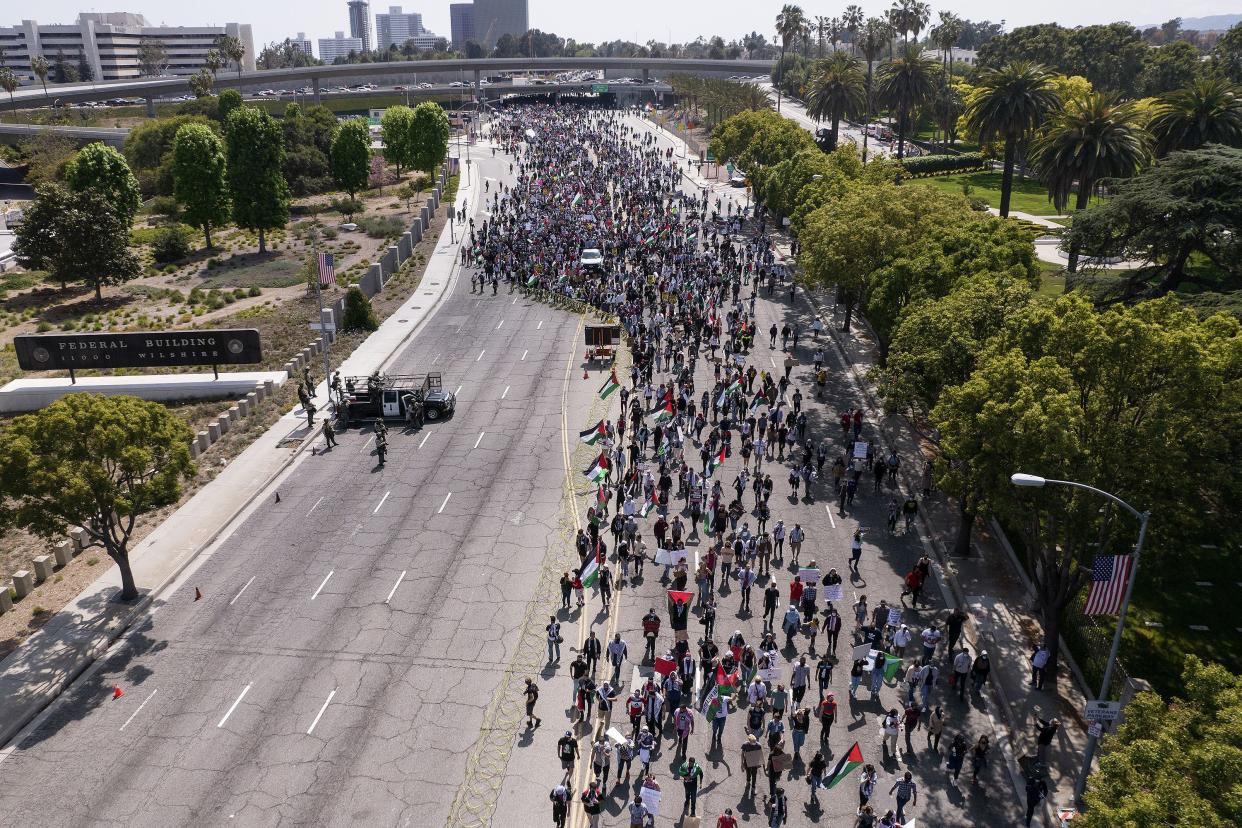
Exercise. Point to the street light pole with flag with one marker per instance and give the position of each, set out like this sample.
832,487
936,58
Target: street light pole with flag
326,267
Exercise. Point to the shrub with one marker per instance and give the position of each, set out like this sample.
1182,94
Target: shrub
330,233
931,164
381,227
164,205
170,245
359,315
254,291
346,206
43,327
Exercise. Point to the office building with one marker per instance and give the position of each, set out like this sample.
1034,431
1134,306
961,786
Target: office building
487,21
302,44
360,22
461,24
107,45
338,47
396,27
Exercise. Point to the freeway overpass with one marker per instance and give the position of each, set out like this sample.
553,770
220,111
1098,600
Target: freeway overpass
320,76
9,133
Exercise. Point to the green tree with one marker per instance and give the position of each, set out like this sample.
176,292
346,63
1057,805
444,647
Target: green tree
148,149
232,49
201,179
1188,203
1070,393
201,83
101,168
229,100
40,66
1209,111
351,156
9,83
359,315
1093,138
397,133
257,185
429,137
1172,66
1010,104
1226,59
906,83
789,25
837,90
152,58
76,237
96,462
1176,762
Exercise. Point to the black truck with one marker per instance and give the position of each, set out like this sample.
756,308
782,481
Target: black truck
412,398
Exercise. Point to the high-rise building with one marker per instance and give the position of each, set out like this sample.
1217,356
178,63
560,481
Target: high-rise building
302,44
340,46
396,27
360,22
493,19
106,45
461,20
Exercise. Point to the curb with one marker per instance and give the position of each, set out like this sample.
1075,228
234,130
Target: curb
12,730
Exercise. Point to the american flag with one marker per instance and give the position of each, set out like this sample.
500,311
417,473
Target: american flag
327,274
1109,576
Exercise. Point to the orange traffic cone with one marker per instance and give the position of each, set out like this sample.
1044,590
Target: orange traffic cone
198,594
278,497
117,692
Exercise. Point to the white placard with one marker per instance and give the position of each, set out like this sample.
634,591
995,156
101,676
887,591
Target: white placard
860,651
614,736
894,618
832,592
651,799
809,575
860,450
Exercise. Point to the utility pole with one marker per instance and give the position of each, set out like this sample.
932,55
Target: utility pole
324,335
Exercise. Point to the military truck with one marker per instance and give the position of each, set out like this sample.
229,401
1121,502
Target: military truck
396,397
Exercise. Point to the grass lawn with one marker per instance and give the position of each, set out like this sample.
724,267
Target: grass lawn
1053,284
1027,197
263,274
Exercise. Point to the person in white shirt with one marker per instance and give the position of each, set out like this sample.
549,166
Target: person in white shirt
901,638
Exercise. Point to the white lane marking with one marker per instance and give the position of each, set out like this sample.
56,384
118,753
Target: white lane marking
458,391
540,325
139,710
244,691
480,356
504,393
324,584
393,591
316,506
828,509
524,353
367,443
772,361
321,710
476,442
381,503
435,358
425,436
501,325
514,302
240,591
445,503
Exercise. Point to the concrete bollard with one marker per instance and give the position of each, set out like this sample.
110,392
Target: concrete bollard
23,583
43,568
63,552
6,601
416,232
213,431
259,392
290,370
194,450
203,441
80,539
269,387
244,407
224,422
234,415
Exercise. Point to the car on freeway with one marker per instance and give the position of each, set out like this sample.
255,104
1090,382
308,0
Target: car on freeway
424,85
591,258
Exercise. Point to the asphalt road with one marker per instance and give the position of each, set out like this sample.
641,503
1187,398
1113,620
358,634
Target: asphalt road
350,636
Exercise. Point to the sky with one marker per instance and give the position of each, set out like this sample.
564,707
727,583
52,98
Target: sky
595,21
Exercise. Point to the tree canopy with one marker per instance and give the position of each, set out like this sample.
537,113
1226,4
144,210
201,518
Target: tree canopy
101,168
429,136
351,156
200,177
257,185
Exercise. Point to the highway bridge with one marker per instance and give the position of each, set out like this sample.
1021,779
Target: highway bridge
318,77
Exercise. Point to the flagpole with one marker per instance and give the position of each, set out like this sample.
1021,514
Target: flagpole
325,337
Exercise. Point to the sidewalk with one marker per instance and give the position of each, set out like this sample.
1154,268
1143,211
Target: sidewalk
35,674
992,588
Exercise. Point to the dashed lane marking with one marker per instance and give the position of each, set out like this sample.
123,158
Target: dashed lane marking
139,710
524,353
476,442
424,440
381,503
316,506
310,729
240,591
244,691
324,584
445,503
504,393
480,356
393,591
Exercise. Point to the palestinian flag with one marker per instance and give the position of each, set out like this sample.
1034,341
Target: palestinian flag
709,517
665,414
609,386
892,665
598,470
848,764
593,434
590,572
716,698
664,665
577,200
532,281
650,504
716,462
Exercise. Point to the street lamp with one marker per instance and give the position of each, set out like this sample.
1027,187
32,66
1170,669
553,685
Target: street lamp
1035,481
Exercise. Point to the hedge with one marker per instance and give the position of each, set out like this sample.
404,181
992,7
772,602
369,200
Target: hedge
929,164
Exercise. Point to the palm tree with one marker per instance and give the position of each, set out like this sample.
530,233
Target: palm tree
821,29
837,91
1208,112
909,17
946,36
834,32
852,20
40,66
1010,103
906,84
1092,139
789,24
875,33
9,83
233,49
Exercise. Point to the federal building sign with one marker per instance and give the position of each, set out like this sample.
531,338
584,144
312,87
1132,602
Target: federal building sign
49,352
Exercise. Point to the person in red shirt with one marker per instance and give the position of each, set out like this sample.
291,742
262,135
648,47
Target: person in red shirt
795,590
827,715
726,820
